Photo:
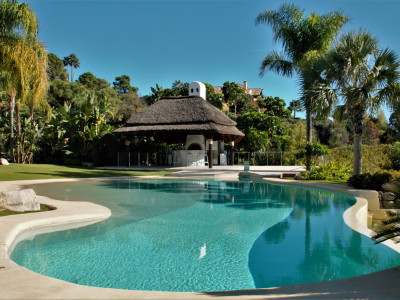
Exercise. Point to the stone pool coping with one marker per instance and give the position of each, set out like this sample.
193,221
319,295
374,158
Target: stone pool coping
19,283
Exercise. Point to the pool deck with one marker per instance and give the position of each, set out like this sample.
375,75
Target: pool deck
19,283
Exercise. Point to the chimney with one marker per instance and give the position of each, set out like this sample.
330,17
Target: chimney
197,88
245,85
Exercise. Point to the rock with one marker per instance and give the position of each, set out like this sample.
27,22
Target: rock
88,164
4,162
298,177
389,187
388,196
388,204
23,200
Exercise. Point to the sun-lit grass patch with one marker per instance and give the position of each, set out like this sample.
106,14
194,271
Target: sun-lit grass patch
45,171
7,212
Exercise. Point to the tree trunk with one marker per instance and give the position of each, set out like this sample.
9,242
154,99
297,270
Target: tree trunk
309,126
357,154
12,105
308,136
31,115
18,119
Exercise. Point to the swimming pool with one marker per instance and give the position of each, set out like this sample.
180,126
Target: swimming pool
204,235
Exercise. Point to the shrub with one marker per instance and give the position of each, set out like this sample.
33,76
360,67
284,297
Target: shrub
332,170
73,162
370,181
374,157
311,151
394,155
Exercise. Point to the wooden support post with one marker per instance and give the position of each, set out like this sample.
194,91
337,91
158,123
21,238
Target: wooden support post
127,160
232,153
210,153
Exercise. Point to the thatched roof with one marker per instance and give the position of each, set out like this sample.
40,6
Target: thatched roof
175,117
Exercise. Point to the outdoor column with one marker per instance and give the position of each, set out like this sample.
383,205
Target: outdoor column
232,156
210,153
127,160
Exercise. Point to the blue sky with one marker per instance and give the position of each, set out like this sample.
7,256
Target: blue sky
159,41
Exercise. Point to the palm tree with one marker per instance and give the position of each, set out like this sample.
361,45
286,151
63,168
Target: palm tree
295,106
157,94
359,77
303,40
21,57
71,61
67,63
74,64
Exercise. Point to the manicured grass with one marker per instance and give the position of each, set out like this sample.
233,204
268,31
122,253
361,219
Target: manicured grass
6,212
43,171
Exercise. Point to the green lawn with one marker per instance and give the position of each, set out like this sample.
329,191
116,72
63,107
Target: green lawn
43,171
6,212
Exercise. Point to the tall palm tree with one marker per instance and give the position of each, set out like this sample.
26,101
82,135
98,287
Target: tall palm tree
303,40
74,63
295,106
358,77
67,63
21,56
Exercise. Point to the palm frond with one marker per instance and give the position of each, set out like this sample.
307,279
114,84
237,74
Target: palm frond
277,63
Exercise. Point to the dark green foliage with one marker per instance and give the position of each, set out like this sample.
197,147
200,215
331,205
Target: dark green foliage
72,162
369,181
179,88
394,155
295,106
122,85
313,149
106,148
55,68
264,130
273,106
92,82
235,96
61,92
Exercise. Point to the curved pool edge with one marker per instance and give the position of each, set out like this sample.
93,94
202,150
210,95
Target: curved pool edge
356,216
18,282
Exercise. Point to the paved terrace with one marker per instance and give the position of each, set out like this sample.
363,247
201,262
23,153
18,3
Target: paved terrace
265,171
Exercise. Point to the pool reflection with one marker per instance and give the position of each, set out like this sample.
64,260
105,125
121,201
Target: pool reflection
204,233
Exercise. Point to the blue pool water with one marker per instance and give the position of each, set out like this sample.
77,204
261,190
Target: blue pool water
203,235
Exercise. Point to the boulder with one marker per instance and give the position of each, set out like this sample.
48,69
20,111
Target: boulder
388,196
389,187
24,200
88,164
388,204
4,162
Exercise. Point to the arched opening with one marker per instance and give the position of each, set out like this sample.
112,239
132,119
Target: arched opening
194,146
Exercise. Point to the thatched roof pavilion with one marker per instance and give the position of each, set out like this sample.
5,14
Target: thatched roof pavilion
172,119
